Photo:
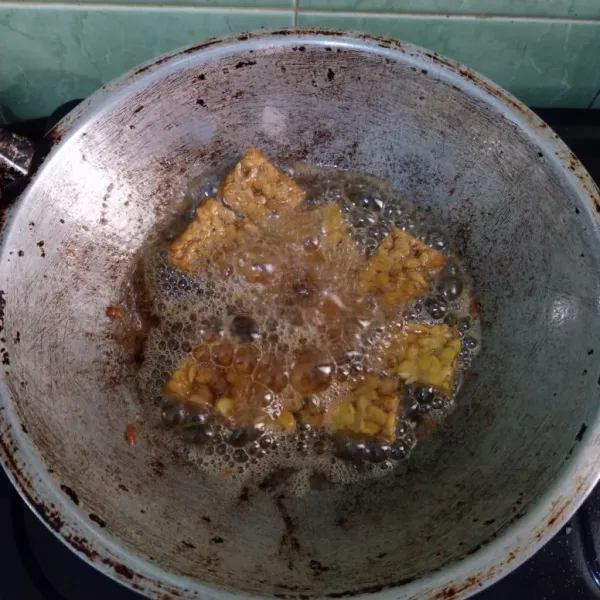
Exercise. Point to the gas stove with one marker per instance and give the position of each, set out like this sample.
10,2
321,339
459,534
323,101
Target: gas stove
35,565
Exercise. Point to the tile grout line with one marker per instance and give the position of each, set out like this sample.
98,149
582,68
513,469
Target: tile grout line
296,11
41,4
441,15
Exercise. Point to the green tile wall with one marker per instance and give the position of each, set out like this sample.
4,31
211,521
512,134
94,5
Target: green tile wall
49,54
543,62
580,9
546,52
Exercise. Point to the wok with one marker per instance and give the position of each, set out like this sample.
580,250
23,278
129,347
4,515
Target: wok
512,463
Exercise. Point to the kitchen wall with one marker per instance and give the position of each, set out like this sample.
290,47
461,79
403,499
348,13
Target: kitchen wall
546,52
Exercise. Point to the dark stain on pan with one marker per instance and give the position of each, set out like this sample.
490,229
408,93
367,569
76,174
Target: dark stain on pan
341,522
158,467
71,493
245,63
48,513
40,245
581,432
203,46
557,514
289,544
155,64
372,589
316,30
2,308
81,546
559,508
452,591
123,570
100,522
317,568
244,496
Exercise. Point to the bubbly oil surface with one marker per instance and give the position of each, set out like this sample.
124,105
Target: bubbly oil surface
263,309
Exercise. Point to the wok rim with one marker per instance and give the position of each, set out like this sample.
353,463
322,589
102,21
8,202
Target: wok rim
512,545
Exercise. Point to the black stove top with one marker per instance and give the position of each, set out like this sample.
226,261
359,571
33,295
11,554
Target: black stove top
34,565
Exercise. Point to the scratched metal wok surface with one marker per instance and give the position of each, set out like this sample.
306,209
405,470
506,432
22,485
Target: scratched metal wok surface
510,465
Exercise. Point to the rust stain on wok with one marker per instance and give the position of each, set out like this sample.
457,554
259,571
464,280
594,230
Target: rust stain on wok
54,136
453,591
80,545
46,510
558,508
51,515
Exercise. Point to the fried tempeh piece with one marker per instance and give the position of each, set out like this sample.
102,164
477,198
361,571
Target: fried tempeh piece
322,228
371,409
321,236
257,190
401,269
234,382
424,354
214,228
